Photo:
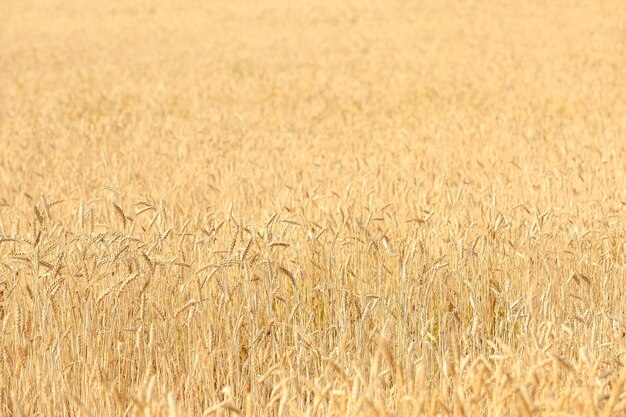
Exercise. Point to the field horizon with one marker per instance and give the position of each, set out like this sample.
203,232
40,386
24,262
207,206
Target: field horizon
362,208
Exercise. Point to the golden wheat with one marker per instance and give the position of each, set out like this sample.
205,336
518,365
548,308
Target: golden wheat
319,209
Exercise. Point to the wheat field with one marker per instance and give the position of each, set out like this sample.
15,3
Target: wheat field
312,208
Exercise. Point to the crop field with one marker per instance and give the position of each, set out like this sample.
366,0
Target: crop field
312,208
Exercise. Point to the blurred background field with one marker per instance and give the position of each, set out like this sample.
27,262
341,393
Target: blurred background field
312,208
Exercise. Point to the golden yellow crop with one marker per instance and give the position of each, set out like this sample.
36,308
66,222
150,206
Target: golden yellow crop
312,208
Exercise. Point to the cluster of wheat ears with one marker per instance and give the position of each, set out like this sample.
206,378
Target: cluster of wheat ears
365,208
